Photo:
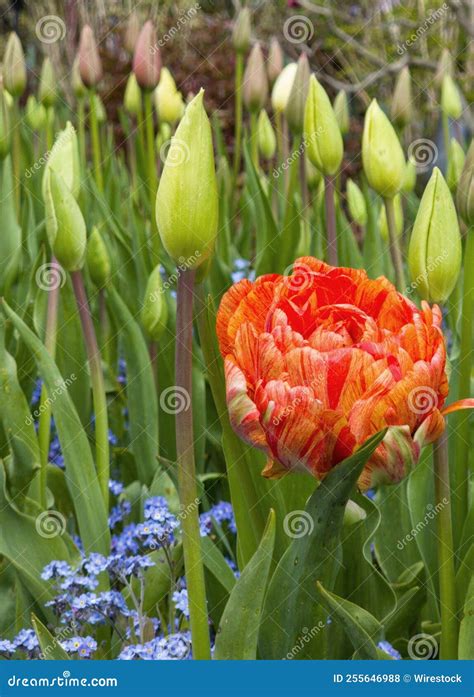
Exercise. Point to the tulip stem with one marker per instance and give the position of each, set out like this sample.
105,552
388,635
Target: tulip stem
254,139
186,470
332,255
81,131
152,176
239,71
16,153
447,576
98,386
395,251
94,123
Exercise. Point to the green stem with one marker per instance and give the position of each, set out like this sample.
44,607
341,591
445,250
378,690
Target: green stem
395,251
81,131
16,153
332,255
152,176
445,122
99,397
49,128
239,72
96,156
254,139
447,576
186,471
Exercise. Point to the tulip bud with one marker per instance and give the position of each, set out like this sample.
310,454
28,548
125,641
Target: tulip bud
295,108
356,203
409,179
187,198
14,67
147,58
455,164
341,110
64,160
154,314
78,87
353,514
169,103
275,60
132,99
90,65
98,260
5,137
398,215
465,192
35,114
132,32
434,255
445,67
65,225
255,81
451,103
382,155
402,100
224,177
242,30
98,105
323,138
163,136
313,175
47,85
266,136
282,87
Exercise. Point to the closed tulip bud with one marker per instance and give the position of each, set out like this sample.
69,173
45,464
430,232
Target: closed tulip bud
5,137
224,176
154,314
402,100
255,81
445,67
47,85
242,30
98,105
434,255
313,175
324,145
97,259
356,203
382,154
14,66
35,114
341,110
64,160
398,211
90,65
132,32
187,198
78,87
132,99
353,514
163,136
295,108
282,88
275,60
409,179
455,164
169,103
147,58
266,136
465,192
65,225
451,103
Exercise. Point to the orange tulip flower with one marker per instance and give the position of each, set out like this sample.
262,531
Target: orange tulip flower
319,361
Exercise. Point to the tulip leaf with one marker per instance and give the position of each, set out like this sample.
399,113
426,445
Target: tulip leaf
237,637
466,631
213,560
81,476
314,555
360,626
51,649
10,239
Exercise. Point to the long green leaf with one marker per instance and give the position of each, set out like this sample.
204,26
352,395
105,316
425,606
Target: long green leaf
51,649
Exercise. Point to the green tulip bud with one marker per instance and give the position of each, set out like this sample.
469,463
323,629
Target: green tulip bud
323,138
132,99
282,87
154,314
313,175
275,60
14,66
162,137
132,32
434,255
445,67
255,81
98,105
64,160
455,164
242,30
65,225
451,103
5,133
465,192
97,259
187,198
402,100
353,514
78,87
35,114
47,85
341,110
398,215
356,203
409,179
169,103
266,136
295,108
382,154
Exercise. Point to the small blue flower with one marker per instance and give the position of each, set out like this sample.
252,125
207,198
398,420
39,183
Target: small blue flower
7,648
180,599
119,512
27,640
56,569
220,513
123,567
388,649
83,646
115,488
95,563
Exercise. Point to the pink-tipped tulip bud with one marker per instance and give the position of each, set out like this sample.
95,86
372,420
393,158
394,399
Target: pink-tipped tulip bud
90,65
255,83
275,60
147,58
